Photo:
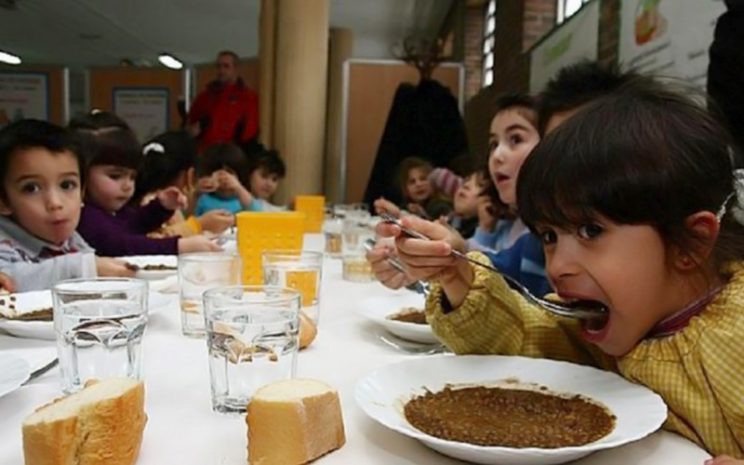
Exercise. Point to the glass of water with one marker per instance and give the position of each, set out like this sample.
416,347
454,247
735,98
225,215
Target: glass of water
99,324
198,272
298,270
252,338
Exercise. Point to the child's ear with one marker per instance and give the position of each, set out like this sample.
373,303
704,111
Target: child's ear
703,227
4,208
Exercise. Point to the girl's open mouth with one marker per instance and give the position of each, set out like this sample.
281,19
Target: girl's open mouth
595,329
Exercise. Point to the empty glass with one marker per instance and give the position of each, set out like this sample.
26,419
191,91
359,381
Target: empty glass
198,272
299,270
252,338
99,325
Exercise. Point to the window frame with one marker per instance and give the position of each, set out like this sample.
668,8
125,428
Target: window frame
488,44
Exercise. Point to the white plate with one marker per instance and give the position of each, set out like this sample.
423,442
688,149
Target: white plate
144,260
382,395
378,309
14,371
45,329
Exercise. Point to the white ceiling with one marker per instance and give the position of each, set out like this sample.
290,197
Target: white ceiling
80,33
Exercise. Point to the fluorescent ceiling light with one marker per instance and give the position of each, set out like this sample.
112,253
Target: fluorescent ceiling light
9,58
170,61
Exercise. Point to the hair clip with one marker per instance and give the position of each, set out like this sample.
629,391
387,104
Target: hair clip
153,147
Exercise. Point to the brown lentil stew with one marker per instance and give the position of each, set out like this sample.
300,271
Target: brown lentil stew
494,416
410,316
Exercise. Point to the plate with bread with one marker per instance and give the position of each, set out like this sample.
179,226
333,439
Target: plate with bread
492,409
401,313
30,314
151,267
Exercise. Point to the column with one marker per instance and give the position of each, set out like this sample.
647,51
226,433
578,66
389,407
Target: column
341,49
266,63
300,84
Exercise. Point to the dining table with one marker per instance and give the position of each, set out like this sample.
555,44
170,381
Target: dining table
182,428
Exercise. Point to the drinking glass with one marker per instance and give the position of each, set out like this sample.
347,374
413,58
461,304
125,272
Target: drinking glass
198,272
298,270
252,339
356,231
99,323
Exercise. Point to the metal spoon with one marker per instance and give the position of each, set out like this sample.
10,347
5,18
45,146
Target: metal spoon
580,309
420,287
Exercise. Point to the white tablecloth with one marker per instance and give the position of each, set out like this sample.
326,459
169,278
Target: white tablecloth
182,429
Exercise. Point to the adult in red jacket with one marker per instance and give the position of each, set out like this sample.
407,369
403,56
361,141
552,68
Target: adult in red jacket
227,110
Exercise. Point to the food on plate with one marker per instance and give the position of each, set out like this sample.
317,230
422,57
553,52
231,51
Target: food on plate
516,417
160,267
99,425
42,314
410,315
293,421
308,330
9,310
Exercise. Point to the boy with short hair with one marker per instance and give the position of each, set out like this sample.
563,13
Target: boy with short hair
40,203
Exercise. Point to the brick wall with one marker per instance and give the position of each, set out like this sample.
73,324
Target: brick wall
539,19
473,50
519,25
609,31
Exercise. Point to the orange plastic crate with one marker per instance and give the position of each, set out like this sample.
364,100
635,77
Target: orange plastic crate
262,231
313,207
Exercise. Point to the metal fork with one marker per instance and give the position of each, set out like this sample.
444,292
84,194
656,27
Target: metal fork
410,347
580,309
36,373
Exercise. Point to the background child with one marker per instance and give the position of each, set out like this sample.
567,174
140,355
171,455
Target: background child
108,222
265,171
169,160
419,193
637,204
40,195
221,172
464,216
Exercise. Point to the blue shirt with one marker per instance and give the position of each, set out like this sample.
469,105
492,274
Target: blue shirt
525,262
209,202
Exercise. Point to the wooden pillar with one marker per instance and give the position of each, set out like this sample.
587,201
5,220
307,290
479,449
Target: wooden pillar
300,85
341,49
266,54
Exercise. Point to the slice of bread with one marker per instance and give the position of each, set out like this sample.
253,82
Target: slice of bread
292,422
101,424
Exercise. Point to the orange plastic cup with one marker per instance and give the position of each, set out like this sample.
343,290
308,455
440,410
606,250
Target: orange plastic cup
262,231
313,207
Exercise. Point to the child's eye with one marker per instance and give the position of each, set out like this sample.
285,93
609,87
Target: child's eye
492,146
114,176
69,185
515,139
548,237
589,231
30,188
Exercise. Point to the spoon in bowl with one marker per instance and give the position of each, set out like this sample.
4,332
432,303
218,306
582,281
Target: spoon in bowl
579,309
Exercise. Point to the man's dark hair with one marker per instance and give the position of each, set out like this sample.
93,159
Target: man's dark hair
231,54
577,85
29,134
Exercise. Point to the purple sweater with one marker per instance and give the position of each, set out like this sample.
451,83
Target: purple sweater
124,233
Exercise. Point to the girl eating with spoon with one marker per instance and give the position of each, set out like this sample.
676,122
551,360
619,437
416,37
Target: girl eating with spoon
639,202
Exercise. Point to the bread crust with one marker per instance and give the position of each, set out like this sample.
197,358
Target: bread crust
107,432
